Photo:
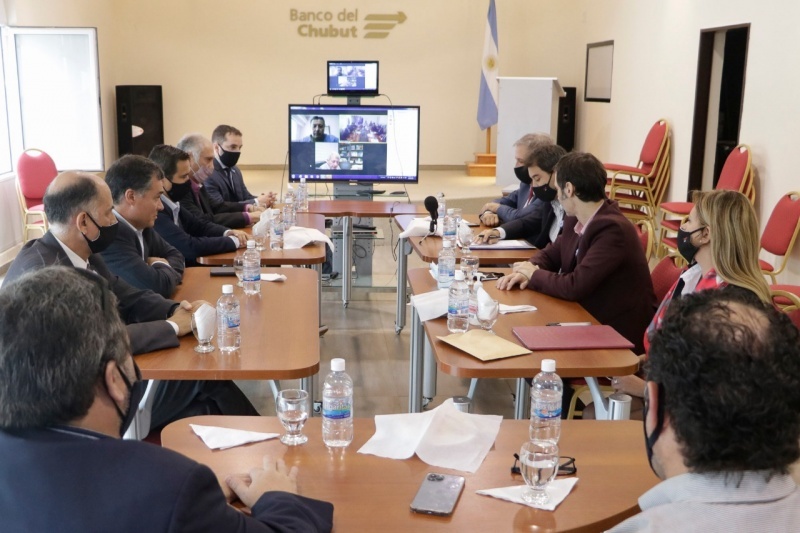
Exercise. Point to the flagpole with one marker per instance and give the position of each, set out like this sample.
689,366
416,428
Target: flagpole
489,140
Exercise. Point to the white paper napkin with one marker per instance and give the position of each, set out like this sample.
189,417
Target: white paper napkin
557,490
444,437
273,277
296,237
205,319
430,305
505,309
419,227
218,438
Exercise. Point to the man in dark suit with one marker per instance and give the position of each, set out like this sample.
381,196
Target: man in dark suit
138,254
227,182
68,389
193,237
199,203
82,224
597,260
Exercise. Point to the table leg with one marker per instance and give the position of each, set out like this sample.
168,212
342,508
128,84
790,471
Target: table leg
429,370
318,269
307,384
347,258
600,403
415,364
522,402
403,250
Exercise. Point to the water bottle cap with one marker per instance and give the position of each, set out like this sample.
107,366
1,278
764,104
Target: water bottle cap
227,289
548,365
337,365
459,275
251,244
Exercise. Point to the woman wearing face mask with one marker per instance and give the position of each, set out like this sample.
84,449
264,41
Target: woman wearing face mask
719,239
542,227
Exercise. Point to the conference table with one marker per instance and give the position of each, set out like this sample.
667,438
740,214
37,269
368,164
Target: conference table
588,364
279,341
347,209
371,493
428,248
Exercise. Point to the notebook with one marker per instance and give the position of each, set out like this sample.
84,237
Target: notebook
571,338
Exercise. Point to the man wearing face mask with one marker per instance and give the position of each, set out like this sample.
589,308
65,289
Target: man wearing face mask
541,228
193,237
199,203
722,417
227,183
67,392
522,201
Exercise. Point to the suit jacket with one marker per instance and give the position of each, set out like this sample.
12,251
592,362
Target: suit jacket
220,188
72,480
533,227
124,258
228,214
144,312
194,237
513,206
604,270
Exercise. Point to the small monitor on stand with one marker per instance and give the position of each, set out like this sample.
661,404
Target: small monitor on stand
353,79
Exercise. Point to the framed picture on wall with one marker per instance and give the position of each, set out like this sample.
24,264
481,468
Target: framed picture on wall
599,66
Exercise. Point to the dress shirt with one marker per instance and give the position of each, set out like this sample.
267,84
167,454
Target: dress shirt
139,235
77,261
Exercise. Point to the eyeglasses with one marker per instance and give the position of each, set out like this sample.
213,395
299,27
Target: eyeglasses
565,468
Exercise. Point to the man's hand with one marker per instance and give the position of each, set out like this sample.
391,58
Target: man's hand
266,199
489,236
489,219
274,476
255,216
183,317
151,260
241,236
633,385
520,276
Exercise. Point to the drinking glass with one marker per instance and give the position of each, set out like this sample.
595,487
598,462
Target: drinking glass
464,238
260,236
487,313
207,336
238,267
469,266
457,215
538,464
276,233
292,410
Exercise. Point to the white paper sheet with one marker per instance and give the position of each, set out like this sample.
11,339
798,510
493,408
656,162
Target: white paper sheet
218,438
557,490
430,305
513,244
296,237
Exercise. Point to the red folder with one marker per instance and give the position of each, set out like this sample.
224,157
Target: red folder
571,338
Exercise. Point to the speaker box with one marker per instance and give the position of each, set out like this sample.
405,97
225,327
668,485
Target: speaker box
140,119
566,120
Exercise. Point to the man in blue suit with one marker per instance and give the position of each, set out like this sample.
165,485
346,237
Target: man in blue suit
68,390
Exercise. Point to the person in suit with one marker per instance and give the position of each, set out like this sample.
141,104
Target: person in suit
541,228
67,393
722,417
193,237
79,209
318,134
227,183
521,202
597,260
138,254
199,203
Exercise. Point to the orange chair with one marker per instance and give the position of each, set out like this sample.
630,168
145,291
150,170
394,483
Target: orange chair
780,233
787,298
664,276
737,175
35,171
641,188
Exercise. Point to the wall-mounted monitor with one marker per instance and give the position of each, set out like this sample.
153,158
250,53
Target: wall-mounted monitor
370,144
352,78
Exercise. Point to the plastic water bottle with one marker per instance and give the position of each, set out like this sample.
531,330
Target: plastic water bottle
447,265
276,234
473,302
458,305
289,208
251,271
301,199
546,392
337,407
228,335
449,227
442,207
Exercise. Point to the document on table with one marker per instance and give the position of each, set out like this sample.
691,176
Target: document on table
513,244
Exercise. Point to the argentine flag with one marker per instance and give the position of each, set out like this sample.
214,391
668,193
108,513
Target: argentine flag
487,100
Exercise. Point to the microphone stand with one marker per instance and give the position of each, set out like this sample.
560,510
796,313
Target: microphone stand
431,231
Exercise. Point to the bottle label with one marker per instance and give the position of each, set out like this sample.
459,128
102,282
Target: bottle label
458,307
252,276
232,321
544,409
336,408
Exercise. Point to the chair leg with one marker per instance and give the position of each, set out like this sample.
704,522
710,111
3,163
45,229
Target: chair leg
275,386
473,384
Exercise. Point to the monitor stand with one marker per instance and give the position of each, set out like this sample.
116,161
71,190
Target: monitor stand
364,240
353,100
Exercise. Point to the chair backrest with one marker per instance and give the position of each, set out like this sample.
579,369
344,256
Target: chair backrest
664,276
793,309
644,228
35,171
653,145
737,173
783,224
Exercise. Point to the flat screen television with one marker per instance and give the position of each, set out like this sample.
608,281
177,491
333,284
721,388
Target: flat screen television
352,78
368,144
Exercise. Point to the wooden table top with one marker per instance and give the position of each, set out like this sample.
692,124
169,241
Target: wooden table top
313,254
373,494
280,331
569,363
364,208
429,248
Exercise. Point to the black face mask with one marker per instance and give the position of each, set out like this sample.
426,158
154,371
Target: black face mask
104,239
544,193
229,159
179,191
685,246
135,394
522,175
650,441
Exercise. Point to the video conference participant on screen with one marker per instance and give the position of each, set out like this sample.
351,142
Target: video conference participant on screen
318,132
332,163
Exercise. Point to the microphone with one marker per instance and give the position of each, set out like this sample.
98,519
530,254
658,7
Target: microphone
432,206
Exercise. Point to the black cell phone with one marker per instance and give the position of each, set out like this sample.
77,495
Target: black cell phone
438,494
222,271
489,276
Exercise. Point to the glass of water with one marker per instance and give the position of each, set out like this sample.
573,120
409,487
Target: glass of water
469,265
276,234
260,236
238,267
465,237
539,464
292,407
487,313
205,333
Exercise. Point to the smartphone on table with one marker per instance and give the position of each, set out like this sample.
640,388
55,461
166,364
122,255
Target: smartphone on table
438,494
